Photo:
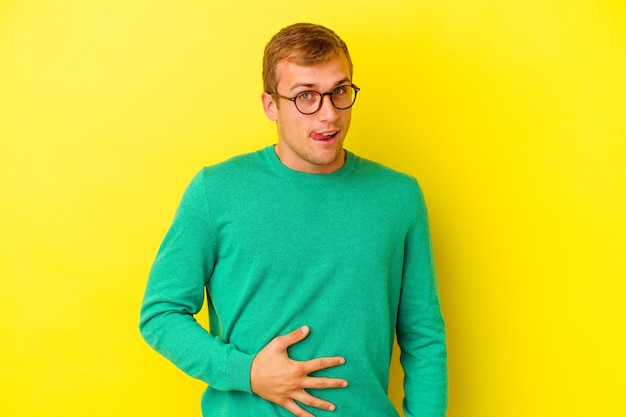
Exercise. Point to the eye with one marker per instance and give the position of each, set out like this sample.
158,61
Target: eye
340,90
305,96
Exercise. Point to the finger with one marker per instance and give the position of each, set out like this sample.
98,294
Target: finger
307,399
324,383
318,364
296,410
293,337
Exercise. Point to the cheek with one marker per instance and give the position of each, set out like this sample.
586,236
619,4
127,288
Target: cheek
293,125
289,131
346,121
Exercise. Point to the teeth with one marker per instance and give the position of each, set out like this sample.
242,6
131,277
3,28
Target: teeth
329,134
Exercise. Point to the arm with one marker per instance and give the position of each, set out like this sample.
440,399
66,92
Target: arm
420,329
175,293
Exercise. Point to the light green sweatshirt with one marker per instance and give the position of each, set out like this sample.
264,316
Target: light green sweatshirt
347,254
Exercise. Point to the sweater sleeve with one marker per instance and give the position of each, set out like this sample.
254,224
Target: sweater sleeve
175,293
421,329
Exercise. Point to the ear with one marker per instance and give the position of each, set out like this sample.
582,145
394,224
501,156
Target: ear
269,106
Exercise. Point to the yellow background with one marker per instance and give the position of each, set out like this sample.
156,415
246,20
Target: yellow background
511,114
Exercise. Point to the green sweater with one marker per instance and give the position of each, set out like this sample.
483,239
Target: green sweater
347,254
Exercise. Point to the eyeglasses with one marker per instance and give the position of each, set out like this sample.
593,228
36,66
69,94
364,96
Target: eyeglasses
309,102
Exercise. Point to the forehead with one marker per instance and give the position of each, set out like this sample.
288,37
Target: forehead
292,76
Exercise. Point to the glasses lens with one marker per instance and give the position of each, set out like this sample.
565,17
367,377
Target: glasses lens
343,96
308,101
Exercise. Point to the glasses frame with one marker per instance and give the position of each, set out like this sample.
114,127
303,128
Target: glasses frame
329,94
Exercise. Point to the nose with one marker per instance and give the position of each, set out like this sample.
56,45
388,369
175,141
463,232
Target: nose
328,111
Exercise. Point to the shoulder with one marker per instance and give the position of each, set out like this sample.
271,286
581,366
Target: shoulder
234,165
385,176
395,189
235,180
235,170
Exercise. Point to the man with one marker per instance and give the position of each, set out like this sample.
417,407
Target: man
311,258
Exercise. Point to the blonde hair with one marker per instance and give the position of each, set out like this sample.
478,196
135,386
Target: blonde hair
303,44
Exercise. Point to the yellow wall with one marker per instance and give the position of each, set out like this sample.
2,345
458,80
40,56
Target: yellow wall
512,115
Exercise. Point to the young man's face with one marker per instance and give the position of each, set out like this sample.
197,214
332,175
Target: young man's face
310,143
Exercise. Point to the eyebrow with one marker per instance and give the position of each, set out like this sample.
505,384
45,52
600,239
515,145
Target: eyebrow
311,85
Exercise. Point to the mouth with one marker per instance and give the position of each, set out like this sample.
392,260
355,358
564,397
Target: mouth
324,137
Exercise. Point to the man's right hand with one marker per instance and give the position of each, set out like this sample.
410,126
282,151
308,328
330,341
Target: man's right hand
275,377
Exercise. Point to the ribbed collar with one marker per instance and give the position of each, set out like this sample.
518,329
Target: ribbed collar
278,167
